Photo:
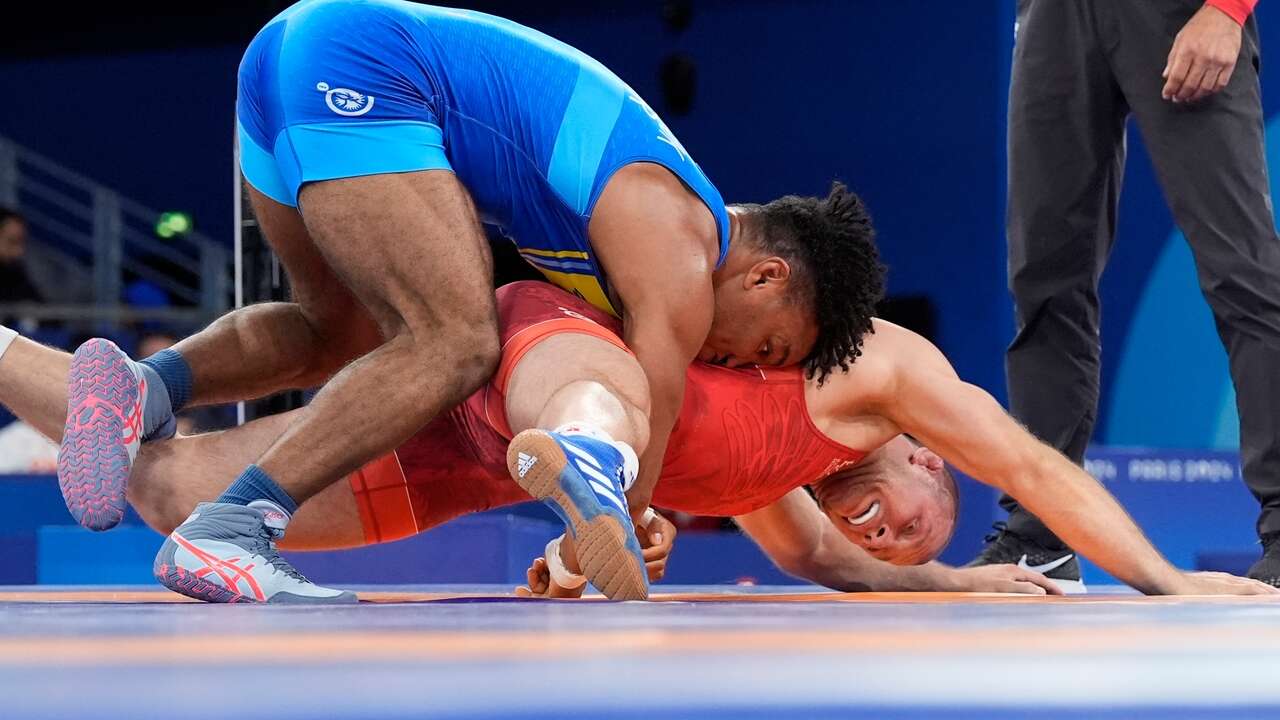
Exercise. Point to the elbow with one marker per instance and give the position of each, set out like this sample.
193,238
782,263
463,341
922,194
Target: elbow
815,569
1027,471
796,566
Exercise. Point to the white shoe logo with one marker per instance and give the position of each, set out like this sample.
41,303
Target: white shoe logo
344,101
605,488
1047,567
524,463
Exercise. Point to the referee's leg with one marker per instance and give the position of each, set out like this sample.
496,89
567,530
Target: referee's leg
1211,161
1066,159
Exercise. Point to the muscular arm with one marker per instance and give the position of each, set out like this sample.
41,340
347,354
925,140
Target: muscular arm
658,247
661,338
922,396
801,540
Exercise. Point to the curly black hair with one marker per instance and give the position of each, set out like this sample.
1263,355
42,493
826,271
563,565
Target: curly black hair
830,244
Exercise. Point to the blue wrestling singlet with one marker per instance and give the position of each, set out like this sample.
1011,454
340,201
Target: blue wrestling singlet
532,127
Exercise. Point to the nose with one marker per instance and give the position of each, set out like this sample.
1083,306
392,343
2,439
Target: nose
878,538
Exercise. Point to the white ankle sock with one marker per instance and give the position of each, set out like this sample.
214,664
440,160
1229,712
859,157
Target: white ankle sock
7,336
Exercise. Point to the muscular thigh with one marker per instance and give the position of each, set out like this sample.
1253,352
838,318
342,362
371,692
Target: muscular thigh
326,303
565,358
409,246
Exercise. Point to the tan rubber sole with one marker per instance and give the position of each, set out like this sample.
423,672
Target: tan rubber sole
602,542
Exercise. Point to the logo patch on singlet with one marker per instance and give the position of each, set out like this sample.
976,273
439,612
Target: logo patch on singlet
345,101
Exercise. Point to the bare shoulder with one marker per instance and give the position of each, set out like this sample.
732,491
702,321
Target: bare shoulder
647,198
891,346
850,406
889,353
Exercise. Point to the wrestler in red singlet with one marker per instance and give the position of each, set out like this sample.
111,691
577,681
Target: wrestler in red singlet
743,439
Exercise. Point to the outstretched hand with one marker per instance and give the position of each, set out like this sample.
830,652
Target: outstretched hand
1218,583
1005,579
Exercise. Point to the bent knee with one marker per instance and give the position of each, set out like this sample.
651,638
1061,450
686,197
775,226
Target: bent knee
469,354
476,356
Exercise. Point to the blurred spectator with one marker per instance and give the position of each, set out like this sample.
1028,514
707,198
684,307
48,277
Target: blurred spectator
152,343
23,451
15,281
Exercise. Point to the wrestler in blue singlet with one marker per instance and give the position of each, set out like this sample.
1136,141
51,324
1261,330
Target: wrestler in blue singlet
532,127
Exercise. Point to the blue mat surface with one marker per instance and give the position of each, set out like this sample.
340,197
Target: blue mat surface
769,653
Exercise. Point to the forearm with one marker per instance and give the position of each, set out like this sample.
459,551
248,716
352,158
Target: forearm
1081,512
877,577
970,429
664,366
840,565
640,496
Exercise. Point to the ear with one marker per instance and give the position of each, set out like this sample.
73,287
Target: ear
928,459
770,271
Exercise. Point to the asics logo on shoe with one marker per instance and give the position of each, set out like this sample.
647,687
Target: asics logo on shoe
133,420
1047,567
227,571
524,463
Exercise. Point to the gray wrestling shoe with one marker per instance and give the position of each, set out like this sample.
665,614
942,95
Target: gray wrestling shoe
226,553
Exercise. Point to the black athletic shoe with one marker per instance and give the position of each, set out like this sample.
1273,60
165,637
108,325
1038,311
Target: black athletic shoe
1267,569
1004,547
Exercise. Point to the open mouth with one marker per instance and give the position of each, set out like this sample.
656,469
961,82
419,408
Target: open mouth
866,516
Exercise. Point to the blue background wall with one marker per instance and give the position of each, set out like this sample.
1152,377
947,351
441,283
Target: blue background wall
904,100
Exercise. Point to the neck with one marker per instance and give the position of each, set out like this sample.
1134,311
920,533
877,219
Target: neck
741,254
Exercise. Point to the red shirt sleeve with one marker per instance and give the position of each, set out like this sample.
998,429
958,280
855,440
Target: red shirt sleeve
1239,10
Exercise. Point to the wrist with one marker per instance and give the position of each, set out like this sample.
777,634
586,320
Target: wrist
942,578
1238,10
917,578
1168,580
561,575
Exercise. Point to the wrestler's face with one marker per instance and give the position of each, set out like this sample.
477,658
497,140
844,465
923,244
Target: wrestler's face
758,320
894,506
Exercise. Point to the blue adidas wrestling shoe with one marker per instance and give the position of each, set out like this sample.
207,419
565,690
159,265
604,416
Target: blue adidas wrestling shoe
581,479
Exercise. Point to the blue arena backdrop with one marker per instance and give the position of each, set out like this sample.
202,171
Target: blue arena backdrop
904,100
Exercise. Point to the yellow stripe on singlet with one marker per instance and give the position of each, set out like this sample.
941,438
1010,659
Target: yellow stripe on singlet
586,287
575,254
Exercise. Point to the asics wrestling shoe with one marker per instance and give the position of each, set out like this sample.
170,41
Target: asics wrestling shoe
581,478
111,410
1267,569
226,553
1005,547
